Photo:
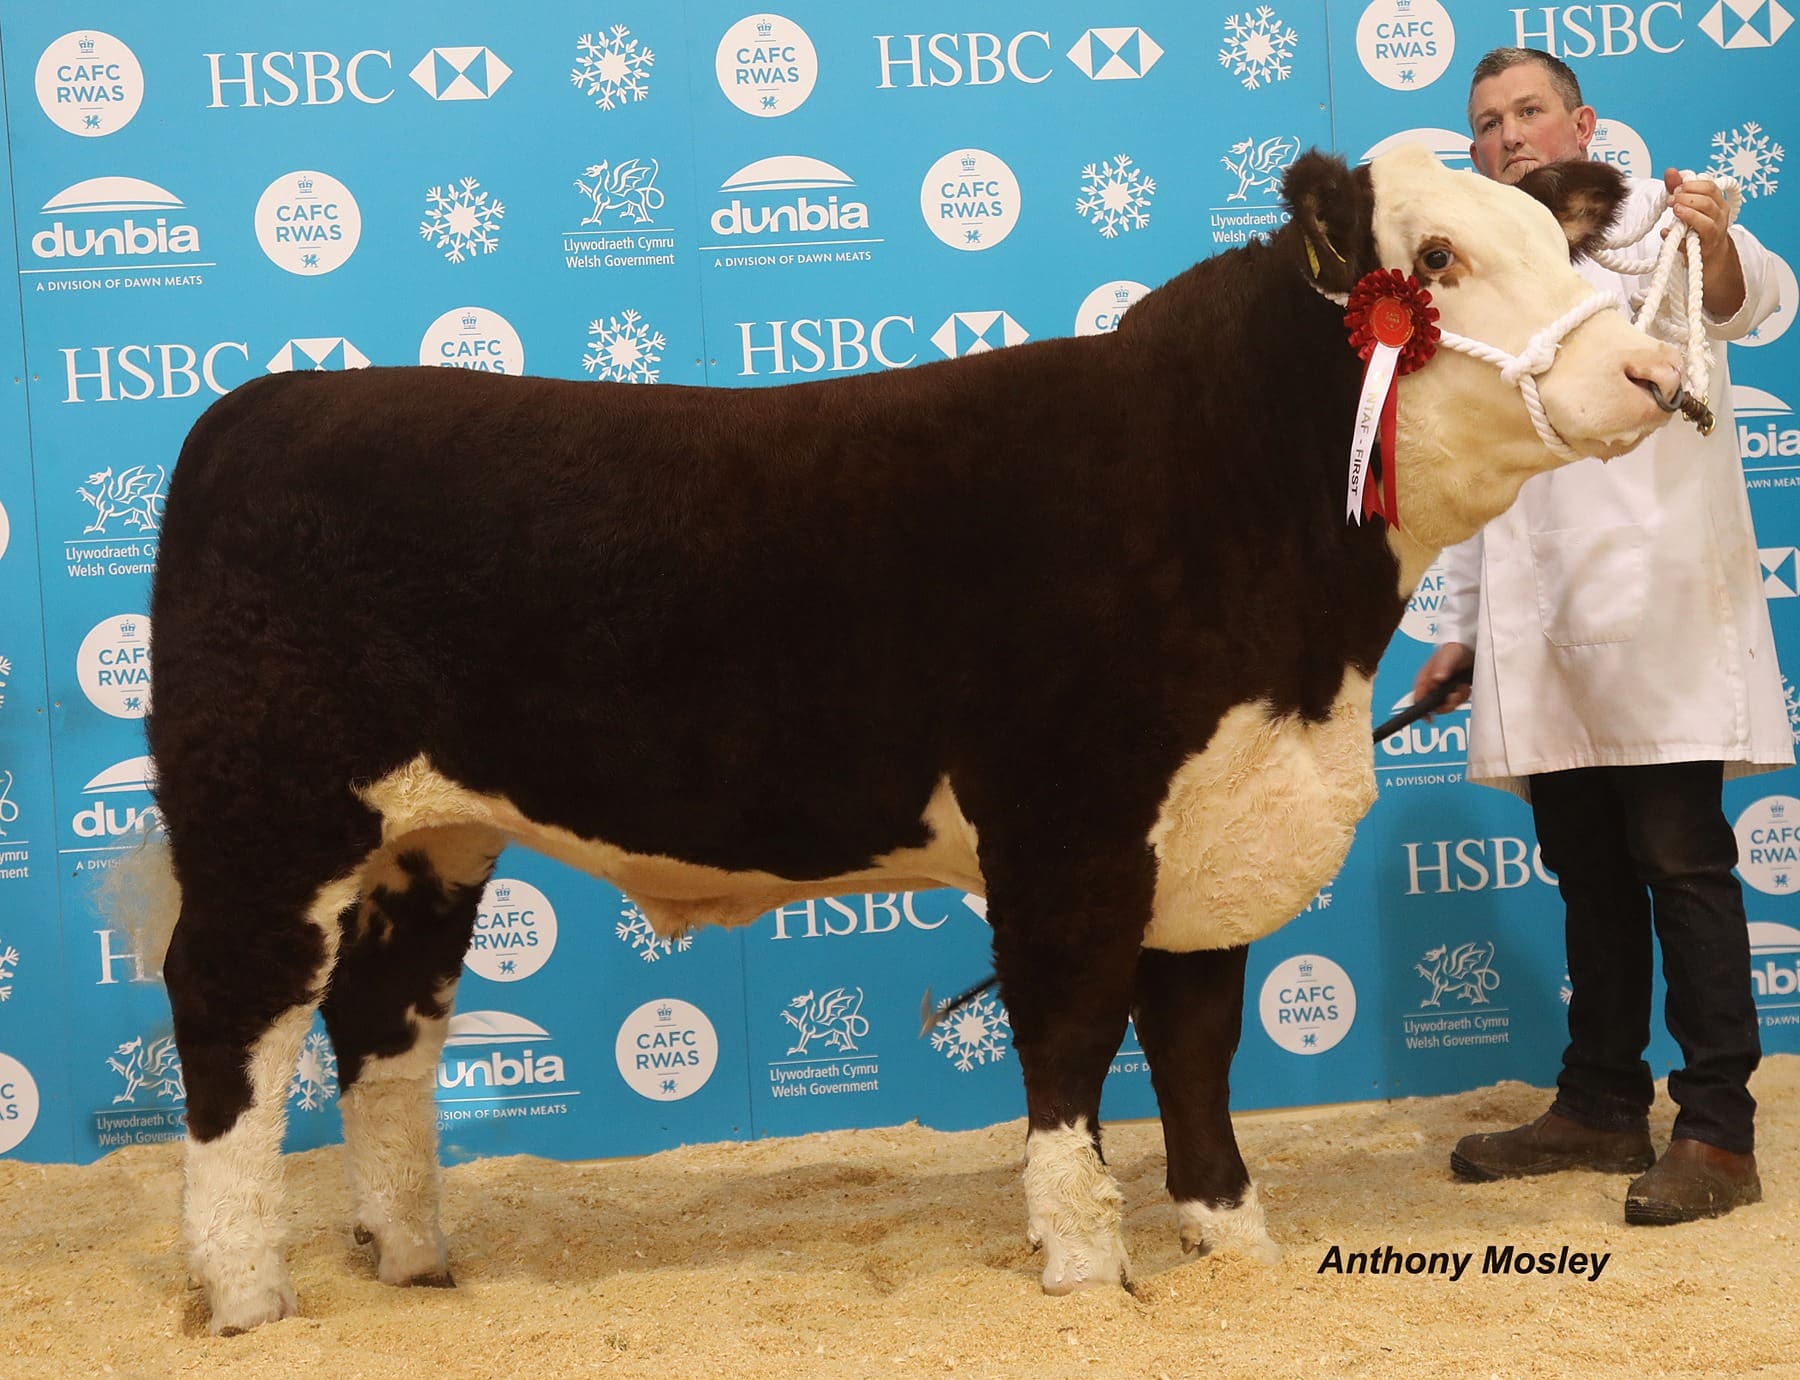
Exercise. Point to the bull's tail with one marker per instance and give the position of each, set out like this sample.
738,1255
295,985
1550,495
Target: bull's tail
139,894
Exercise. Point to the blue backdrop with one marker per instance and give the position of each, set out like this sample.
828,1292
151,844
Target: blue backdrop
693,192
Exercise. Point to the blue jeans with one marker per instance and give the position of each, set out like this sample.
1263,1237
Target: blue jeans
1635,848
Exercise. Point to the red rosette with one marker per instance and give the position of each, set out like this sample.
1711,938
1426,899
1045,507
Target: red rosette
1388,307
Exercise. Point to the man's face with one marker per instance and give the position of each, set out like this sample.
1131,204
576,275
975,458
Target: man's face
1520,123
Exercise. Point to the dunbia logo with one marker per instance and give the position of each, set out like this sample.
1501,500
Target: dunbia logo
789,209
115,232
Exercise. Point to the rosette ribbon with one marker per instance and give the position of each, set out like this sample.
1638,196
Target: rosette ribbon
1393,329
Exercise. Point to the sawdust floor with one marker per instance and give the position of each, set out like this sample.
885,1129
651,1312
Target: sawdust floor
901,1252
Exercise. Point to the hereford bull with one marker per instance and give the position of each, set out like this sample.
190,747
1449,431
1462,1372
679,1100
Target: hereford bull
1138,629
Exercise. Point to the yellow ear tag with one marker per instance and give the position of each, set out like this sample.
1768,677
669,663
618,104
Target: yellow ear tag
1312,257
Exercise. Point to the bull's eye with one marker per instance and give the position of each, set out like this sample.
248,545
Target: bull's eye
1437,260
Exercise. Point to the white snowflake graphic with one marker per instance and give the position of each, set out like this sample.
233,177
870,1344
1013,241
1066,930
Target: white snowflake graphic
635,930
624,349
1321,900
976,1034
1565,990
1747,155
461,220
612,68
5,671
1259,48
315,1075
1791,697
1115,196
9,967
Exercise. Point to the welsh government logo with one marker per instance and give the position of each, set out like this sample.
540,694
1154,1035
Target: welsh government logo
1464,973
1746,23
317,354
151,1070
1258,47
315,1079
1779,572
1115,54
1259,163
9,956
833,1018
977,1034
977,332
612,67
9,808
132,497
624,349
460,74
634,929
626,190
1115,196
1746,154
89,83
462,220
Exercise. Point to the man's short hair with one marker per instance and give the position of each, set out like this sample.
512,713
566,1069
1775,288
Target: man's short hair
1562,76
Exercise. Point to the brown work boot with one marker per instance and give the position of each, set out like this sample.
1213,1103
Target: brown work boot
1551,1143
1692,1180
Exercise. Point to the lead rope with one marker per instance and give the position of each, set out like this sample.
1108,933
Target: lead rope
1697,356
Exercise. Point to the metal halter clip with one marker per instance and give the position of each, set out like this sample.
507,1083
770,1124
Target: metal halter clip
1697,412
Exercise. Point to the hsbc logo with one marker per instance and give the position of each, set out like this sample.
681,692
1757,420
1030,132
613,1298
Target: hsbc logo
1452,865
138,373
1746,23
1778,572
976,332
318,354
987,59
460,74
1611,30
829,345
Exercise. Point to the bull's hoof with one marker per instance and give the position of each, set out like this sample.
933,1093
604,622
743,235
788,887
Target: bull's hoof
440,1280
1235,1228
236,1311
406,1261
1091,1263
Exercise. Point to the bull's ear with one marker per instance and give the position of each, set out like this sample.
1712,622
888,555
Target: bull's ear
1583,196
1333,208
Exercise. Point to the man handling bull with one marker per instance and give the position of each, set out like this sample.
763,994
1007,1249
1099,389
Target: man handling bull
1623,667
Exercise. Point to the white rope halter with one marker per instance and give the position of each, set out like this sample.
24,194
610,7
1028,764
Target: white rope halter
1523,369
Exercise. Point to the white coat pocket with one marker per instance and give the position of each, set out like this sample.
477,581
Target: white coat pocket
1593,583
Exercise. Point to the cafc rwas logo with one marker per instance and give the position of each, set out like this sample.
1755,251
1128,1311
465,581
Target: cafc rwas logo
18,1103
766,65
89,83
308,223
970,199
515,931
473,338
1768,839
1102,309
113,665
1405,44
1307,1004
666,1050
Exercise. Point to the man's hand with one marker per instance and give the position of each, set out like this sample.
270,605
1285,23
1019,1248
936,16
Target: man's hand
1445,662
1700,205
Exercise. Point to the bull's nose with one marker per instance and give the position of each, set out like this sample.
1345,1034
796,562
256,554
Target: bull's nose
1658,371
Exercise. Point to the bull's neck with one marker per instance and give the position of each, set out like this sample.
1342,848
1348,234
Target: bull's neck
1244,339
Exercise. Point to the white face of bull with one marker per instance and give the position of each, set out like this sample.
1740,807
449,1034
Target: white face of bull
1500,260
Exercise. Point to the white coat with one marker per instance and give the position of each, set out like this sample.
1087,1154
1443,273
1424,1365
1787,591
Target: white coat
1617,609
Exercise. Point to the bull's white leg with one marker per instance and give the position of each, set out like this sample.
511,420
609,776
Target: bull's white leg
1240,1229
390,1134
232,1204
1074,1209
